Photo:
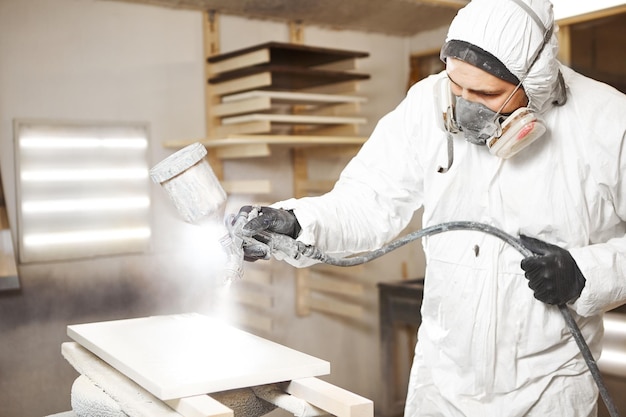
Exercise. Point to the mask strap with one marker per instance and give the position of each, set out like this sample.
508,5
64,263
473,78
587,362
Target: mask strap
443,170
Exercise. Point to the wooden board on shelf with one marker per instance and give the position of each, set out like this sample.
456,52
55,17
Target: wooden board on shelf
258,101
292,119
251,82
281,53
277,140
289,78
251,105
294,97
247,186
190,354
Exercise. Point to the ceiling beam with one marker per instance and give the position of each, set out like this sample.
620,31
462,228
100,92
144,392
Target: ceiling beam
445,3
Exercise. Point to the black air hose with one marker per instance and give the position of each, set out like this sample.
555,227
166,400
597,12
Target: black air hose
313,253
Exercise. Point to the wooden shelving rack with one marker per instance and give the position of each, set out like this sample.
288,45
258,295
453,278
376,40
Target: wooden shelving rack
288,95
280,94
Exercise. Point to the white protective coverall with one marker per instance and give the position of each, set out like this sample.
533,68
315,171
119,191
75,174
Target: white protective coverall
486,346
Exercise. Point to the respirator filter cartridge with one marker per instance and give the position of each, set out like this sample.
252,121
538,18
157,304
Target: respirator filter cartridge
519,130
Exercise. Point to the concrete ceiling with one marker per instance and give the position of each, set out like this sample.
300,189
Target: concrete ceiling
391,17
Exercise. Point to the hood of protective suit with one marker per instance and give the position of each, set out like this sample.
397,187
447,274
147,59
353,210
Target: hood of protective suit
508,32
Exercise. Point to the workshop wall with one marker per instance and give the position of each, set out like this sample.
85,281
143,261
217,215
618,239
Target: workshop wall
81,60
103,61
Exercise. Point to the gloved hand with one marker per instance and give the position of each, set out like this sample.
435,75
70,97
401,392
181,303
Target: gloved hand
272,220
552,273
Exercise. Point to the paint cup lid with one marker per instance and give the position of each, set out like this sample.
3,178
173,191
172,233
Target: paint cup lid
178,162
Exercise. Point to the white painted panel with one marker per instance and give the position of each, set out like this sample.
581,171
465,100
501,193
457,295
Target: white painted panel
190,354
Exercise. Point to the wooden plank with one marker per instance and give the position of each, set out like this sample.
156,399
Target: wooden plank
200,406
303,294
125,392
250,82
293,140
339,308
337,130
292,119
242,106
347,87
346,65
251,150
340,109
284,140
295,97
289,77
330,398
247,186
324,151
253,126
260,56
252,298
339,270
336,286
308,187
283,53
258,276
191,354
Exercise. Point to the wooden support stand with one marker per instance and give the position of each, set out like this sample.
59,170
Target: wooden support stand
187,363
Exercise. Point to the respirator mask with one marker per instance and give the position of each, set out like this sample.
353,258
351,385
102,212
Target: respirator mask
504,135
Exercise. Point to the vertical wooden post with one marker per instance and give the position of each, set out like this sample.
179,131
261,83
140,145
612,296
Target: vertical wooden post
210,28
296,32
565,45
300,177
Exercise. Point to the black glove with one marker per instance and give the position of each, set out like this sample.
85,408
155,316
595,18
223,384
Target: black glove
272,220
552,273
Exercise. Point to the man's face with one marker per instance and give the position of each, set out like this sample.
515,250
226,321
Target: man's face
478,86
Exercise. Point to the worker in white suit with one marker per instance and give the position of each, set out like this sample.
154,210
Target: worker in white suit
506,136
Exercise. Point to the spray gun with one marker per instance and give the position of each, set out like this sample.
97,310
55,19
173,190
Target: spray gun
197,194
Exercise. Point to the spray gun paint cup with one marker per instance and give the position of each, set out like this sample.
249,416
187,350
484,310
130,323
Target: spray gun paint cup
196,193
191,183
